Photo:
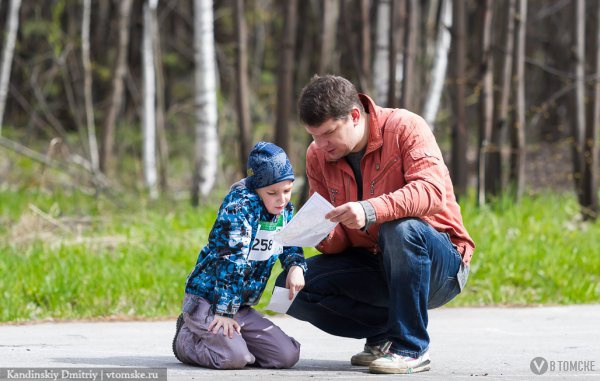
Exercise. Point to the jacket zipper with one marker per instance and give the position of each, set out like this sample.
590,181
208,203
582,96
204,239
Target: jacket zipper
372,188
333,192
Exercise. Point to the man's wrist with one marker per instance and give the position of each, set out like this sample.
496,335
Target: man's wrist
370,215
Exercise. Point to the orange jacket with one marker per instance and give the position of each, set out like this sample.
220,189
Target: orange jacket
404,175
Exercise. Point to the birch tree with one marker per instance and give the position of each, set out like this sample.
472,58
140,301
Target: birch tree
365,38
460,137
329,22
106,157
495,168
7,54
517,158
438,73
578,127
161,135
381,60
591,162
87,86
207,144
394,42
243,104
486,100
149,108
285,75
410,55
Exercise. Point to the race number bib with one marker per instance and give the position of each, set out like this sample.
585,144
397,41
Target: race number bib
263,246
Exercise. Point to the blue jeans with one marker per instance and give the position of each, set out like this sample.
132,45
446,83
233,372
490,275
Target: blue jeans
382,297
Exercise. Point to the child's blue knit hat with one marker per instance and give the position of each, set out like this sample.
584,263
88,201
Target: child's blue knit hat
267,164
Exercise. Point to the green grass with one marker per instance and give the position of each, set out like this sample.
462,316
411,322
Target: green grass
64,254
535,252
101,260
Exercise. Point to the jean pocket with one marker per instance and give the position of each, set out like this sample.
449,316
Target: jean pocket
444,294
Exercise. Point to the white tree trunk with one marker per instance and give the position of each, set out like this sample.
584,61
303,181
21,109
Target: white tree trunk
161,138
331,15
118,84
438,75
87,85
207,145
381,64
7,55
579,53
149,112
517,162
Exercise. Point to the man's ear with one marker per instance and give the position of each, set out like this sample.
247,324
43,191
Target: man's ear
355,114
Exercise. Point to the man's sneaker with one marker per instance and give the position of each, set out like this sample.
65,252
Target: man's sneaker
177,329
393,363
369,354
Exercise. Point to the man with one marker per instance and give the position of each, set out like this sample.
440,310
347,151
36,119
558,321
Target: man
400,246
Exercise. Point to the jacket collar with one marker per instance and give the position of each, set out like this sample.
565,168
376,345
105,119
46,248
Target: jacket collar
375,135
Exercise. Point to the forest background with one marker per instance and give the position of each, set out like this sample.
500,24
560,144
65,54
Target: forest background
122,124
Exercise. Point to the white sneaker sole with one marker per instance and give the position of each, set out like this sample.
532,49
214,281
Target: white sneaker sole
425,366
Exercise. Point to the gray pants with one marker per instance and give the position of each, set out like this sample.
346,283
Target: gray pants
261,343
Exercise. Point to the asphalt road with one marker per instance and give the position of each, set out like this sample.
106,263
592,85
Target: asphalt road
466,344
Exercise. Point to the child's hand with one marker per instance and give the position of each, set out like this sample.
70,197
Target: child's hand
295,280
229,326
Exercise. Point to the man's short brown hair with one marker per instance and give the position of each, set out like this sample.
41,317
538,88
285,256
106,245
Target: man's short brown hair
327,97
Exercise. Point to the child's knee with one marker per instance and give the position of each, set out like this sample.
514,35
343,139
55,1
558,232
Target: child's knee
287,357
233,357
215,352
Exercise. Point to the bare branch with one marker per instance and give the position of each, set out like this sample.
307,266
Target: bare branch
99,181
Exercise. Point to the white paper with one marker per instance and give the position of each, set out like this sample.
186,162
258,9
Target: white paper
280,300
309,226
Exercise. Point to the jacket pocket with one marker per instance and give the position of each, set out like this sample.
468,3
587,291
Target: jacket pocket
391,164
424,158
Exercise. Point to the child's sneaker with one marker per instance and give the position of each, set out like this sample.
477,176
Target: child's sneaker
393,363
177,329
369,354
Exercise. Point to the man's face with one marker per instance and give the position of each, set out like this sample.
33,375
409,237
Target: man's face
336,137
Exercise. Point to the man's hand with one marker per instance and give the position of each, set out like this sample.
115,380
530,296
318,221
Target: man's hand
229,326
350,214
295,280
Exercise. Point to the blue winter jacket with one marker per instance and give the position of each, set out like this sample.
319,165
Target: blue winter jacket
223,274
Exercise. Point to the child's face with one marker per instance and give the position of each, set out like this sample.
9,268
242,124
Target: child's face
276,196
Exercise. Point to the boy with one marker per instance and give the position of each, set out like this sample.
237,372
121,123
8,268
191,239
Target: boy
218,327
